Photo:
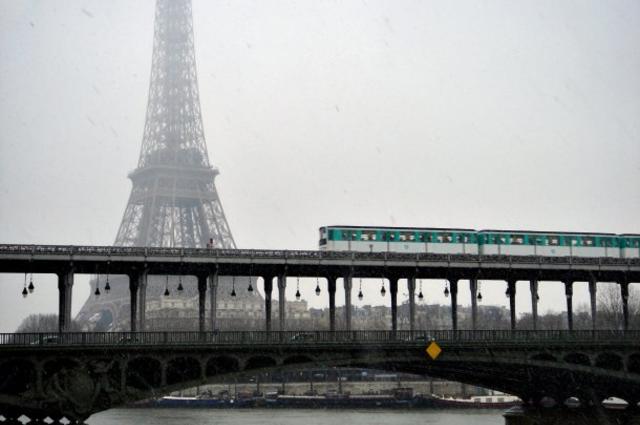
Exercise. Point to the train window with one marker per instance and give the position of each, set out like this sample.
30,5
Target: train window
554,240
502,239
421,237
374,236
354,236
345,236
574,241
364,236
517,239
392,236
412,236
587,240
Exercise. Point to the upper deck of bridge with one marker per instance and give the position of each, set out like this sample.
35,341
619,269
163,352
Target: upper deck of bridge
89,259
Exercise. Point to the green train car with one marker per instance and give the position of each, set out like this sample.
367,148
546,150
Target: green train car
484,242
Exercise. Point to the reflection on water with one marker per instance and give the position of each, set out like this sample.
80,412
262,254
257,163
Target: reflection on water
361,417
519,416
295,417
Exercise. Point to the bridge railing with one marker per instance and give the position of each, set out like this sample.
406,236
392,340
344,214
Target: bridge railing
256,254
302,337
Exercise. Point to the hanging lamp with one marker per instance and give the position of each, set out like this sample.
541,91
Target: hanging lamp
166,287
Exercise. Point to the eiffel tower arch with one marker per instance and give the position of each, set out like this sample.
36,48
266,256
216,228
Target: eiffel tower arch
173,201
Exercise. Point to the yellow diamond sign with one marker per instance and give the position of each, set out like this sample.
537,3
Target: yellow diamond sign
433,350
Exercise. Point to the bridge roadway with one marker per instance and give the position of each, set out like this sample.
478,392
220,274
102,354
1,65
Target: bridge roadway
208,264
78,374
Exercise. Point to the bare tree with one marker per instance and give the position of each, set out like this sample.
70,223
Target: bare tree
42,323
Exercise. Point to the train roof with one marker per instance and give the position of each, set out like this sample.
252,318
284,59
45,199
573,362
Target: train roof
398,228
547,232
457,229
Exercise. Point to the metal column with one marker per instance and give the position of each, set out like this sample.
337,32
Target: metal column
624,293
593,291
142,300
533,285
511,288
453,284
268,288
134,285
393,291
411,287
473,288
213,299
202,299
348,282
282,300
568,290
331,289
65,290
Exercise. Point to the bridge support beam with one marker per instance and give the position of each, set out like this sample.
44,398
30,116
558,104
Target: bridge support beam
593,291
282,301
142,300
65,290
393,291
473,287
568,290
202,299
331,289
268,288
134,285
453,286
624,294
411,287
511,292
348,283
213,299
533,285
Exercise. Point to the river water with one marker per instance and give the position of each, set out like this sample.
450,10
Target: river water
294,417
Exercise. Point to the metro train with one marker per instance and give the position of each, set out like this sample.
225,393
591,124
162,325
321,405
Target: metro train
484,242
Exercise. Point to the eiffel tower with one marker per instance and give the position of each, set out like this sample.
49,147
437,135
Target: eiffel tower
173,202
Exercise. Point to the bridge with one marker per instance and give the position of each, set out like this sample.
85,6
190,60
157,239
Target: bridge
74,375
208,264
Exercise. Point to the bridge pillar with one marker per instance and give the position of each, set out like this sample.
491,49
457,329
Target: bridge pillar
593,290
533,285
331,289
142,300
453,290
213,298
511,290
348,283
282,313
268,288
411,287
624,294
473,287
393,291
134,285
202,299
568,290
65,290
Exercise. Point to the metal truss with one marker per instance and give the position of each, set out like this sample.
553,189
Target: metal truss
174,202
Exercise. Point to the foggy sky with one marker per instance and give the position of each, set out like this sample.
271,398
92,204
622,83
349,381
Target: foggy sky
475,114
